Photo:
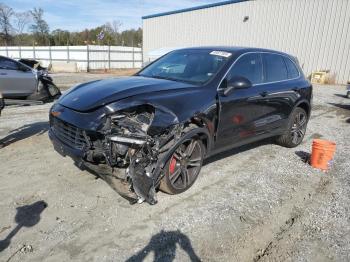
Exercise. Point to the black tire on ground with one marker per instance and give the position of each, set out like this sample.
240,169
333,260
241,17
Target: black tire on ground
296,129
183,167
348,94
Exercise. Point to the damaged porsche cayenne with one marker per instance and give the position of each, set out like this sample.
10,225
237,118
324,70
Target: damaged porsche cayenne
152,131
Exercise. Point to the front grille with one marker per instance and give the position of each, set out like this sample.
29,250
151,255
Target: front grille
68,134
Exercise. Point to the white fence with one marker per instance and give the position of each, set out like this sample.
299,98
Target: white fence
84,58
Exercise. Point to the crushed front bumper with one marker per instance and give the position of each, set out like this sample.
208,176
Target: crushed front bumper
65,150
114,177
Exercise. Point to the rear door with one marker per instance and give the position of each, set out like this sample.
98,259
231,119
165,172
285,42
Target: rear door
281,89
242,111
16,80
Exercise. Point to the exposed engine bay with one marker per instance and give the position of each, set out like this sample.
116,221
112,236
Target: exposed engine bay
130,153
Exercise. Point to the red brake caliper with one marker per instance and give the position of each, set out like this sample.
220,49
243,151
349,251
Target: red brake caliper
172,165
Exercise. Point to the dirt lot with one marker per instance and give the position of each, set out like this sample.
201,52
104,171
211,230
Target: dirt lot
67,80
259,202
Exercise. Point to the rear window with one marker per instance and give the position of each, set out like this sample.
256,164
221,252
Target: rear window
293,71
275,68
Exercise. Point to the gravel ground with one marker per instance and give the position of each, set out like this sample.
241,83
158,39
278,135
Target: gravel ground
256,203
67,80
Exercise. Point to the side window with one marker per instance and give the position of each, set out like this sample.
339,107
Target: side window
275,68
248,66
8,64
293,71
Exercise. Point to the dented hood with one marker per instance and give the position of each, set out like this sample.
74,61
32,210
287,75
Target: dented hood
91,95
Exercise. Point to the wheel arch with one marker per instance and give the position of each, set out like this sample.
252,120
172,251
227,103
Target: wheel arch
190,131
199,129
304,104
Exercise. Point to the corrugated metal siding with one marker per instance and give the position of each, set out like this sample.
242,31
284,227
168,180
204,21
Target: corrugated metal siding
316,31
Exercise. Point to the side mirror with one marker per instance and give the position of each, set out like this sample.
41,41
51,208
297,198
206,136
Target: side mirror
237,82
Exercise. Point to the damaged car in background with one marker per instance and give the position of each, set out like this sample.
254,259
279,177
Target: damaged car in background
24,81
153,130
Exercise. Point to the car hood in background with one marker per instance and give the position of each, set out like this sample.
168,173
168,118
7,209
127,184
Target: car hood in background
91,95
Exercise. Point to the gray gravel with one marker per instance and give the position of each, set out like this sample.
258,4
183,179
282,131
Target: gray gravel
258,202
67,80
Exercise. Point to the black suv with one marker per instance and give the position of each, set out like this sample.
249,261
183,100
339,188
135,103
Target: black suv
158,125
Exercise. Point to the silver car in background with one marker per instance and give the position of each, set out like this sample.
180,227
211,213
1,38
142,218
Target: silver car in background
20,81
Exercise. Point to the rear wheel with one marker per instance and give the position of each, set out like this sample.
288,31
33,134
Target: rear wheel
296,129
183,167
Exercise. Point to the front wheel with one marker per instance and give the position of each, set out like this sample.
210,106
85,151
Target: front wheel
183,167
296,129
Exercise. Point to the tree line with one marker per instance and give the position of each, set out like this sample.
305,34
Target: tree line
30,28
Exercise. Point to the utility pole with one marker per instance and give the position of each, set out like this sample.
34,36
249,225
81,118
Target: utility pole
34,50
133,53
109,55
87,58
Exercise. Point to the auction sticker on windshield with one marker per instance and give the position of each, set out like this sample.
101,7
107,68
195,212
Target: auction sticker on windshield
221,53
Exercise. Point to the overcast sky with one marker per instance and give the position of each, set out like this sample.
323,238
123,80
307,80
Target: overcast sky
80,14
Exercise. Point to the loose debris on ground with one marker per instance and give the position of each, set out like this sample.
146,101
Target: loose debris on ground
260,202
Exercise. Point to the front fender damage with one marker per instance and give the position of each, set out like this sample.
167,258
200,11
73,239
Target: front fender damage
135,147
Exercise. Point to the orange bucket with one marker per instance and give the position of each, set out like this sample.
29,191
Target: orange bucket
322,153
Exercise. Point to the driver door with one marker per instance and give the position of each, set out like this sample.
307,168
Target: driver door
242,111
16,80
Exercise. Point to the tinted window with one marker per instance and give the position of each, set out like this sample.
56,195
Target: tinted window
8,64
293,72
248,66
194,66
275,68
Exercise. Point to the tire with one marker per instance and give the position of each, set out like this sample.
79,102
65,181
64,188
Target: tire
174,182
348,94
296,129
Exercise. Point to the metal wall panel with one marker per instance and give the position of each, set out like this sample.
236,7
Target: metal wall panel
316,31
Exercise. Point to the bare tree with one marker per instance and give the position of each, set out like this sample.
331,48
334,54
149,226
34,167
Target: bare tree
113,28
39,27
6,14
21,20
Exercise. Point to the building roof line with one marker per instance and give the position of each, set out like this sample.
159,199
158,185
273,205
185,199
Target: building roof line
194,8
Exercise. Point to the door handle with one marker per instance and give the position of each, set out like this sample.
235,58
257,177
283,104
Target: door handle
264,93
3,74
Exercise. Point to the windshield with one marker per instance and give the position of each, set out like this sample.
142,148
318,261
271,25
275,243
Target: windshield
192,66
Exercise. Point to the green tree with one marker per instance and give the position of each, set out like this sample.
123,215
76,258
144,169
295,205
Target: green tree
60,37
131,37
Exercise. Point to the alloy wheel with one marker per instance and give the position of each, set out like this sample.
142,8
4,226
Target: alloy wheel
299,127
185,164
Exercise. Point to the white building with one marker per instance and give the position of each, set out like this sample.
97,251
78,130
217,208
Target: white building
316,31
